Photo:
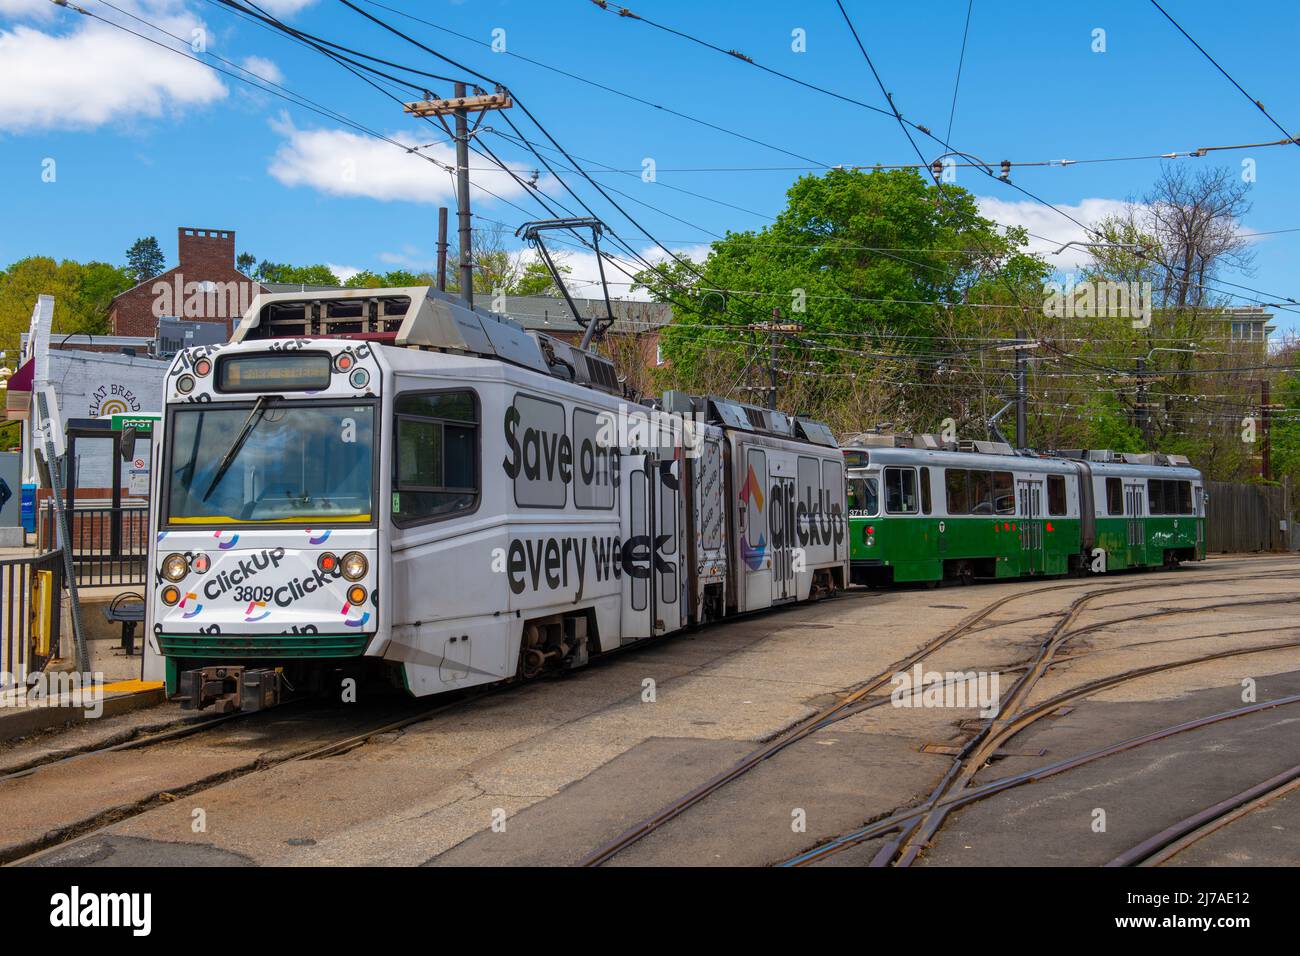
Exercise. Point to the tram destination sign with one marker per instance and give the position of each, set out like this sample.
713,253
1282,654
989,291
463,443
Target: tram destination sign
278,372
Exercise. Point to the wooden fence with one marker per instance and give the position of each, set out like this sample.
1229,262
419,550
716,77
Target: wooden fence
1246,517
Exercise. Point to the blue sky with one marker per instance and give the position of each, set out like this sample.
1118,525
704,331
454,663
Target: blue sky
144,140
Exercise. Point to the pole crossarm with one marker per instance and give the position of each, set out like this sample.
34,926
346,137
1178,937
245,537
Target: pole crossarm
471,104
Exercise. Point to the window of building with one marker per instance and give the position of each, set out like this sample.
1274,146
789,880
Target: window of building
900,491
435,461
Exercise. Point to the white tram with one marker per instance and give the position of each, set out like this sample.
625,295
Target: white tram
388,478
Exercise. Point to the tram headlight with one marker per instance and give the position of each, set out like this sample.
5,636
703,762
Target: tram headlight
170,595
357,595
355,565
175,567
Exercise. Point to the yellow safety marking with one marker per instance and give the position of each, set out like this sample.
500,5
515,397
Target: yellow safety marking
222,519
130,686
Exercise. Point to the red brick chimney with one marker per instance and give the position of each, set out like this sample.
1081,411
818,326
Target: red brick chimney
205,253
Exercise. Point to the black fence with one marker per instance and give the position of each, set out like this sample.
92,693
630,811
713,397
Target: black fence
109,544
31,604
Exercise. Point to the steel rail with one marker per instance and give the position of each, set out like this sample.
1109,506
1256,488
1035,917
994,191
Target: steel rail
893,822
1008,721
1173,839
845,706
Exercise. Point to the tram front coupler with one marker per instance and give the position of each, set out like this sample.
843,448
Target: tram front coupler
230,688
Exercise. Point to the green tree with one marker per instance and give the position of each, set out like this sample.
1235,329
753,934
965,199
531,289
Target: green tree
246,263
295,275
145,259
861,261
535,279
82,292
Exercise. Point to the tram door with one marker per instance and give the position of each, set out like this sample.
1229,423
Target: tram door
1198,512
781,514
1030,500
652,546
1133,508
636,555
667,558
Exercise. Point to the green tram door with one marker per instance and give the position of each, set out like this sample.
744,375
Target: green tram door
1134,494
1030,495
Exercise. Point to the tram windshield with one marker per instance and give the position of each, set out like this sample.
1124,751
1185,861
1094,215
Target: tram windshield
864,498
272,461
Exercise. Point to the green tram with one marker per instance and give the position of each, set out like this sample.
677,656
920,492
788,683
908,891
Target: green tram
931,514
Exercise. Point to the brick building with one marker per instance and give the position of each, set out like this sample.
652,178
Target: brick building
632,341
204,286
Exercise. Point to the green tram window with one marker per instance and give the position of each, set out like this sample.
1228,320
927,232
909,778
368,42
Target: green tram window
957,484
1056,495
981,493
925,491
900,491
1004,492
1114,496
863,498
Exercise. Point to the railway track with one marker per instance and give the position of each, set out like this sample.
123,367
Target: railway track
860,697
171,732
1172,840
977,621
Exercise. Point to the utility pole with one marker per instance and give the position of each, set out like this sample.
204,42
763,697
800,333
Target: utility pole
459,107
1140,410
1019,376
1022,395
1266,446
442,248
773,328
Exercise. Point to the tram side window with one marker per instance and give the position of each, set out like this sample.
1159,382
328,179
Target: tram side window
1114,496
1169,497
864,499
925,491
900,491
1056,495
957,481
1004,492
435,464
1156,501
981,493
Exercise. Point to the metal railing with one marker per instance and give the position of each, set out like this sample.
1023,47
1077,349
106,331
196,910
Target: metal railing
31,602
109,544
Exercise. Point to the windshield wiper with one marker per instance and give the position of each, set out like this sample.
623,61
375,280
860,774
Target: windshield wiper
259,407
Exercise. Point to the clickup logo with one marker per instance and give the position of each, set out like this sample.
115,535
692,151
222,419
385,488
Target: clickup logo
225,545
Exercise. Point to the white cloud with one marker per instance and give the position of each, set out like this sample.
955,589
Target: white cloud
262,68
343,272
584,279
1046,222
341,163
27,9
96,74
